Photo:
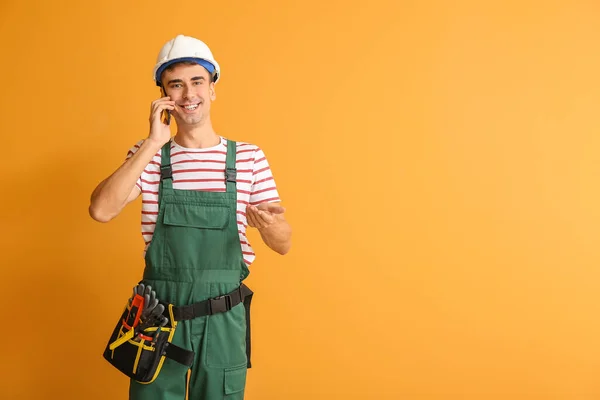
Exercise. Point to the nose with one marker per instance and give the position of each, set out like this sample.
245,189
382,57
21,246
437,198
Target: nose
188,93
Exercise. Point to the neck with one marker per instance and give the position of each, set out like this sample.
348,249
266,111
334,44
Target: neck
197,137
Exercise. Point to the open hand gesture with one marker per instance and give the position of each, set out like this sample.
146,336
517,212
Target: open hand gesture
263,215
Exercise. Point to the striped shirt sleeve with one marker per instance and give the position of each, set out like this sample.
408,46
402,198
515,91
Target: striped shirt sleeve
263,189
130,153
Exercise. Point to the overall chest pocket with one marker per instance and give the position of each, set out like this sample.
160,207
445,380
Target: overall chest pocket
210,216
196,235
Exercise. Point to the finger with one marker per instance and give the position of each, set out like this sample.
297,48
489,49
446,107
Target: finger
256,220
265,219
259,221
275,209
165,98
156,116
162,106
250,217
155,102
272,207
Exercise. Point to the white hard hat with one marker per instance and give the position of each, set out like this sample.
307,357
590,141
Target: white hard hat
185,48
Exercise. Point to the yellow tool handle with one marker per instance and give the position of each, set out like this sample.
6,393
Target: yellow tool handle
121,340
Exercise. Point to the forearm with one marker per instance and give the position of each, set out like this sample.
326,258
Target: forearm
278,236
111,195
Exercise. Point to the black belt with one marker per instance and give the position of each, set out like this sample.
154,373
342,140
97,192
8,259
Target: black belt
212,306
219,304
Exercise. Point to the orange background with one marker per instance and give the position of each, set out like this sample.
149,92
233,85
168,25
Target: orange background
439,163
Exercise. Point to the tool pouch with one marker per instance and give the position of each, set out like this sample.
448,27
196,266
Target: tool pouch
140,353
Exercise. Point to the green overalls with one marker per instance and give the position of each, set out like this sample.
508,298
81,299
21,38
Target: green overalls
195,254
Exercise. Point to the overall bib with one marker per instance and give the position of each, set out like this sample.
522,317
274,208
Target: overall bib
195,254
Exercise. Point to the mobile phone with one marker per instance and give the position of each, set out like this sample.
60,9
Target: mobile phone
166,114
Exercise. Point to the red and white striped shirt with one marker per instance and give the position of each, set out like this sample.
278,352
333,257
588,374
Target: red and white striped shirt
203,169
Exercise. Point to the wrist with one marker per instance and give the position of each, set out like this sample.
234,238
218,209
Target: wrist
154,144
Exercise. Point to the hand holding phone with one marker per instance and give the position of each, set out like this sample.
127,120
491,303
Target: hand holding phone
160,118
166,114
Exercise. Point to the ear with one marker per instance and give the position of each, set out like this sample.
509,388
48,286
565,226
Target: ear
213,94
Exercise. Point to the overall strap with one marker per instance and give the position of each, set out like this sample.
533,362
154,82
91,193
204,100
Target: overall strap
230,171
166,171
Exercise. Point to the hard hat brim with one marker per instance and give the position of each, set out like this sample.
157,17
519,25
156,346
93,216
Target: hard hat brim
209,66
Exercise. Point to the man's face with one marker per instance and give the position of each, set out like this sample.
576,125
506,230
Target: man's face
190,87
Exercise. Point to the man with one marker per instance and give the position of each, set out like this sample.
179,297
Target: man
199,193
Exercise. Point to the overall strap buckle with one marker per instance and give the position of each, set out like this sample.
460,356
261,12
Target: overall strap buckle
230,174
166,172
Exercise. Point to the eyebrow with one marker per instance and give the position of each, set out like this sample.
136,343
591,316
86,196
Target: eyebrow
196,78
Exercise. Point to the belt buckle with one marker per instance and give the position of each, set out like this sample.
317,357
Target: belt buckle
220,304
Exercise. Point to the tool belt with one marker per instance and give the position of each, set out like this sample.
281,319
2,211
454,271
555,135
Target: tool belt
139,349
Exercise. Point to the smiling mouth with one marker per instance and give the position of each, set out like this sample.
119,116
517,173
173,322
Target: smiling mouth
190,107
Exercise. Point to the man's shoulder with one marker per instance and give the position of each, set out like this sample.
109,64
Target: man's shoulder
133,149
242,144
252,151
